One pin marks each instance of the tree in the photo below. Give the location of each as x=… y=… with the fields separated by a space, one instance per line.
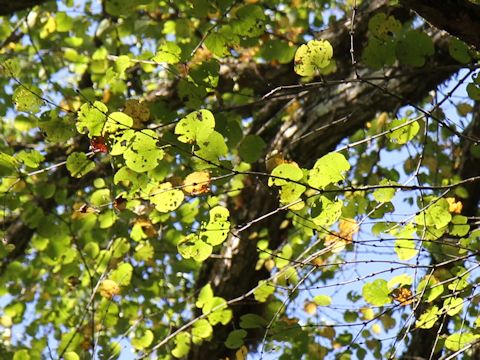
x=211 y=179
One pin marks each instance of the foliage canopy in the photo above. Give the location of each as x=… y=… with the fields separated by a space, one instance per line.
x=263 y=178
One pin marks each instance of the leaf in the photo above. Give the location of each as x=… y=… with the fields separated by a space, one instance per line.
x=217 y=43
x=202 y=329
x=218 y=311
x=377 y=293
x=28 y=99
x=182 y=345
x=192 y=247
x=205 y=296
x=414 y=48
x=197 y=183
x=79 y=165
x=263 y=291
x=430 y=288
x=165 y=198
x=143 y=153
x=399 y=280
x=428 y=319
x=251 y=148
x=386 y=194
x=122 y=275
x=143 y=342
x=322 y=300
x=403 y=134
x=329 y=169
x=196 y=125
x=21 y=355
x=437 y=215
x=212 y=147
x=313 y=56
x=70 y=355
x=458 y=341
x=384 y=27
x=8 y=165
x=92 y=118
x=405 y=249
x=284 y=172
x=216 y=231
x=329 y=213
x=252 y=321
x=452 y=306
x=31 y=158
x=109 y=289
x=117 y=122
x=168 y=52
x=235 y=339
x=459 y=51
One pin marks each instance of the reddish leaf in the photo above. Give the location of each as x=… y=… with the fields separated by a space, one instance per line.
x=97 y=144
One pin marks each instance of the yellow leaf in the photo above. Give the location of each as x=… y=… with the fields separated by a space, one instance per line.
x=109 y=289
x=454 y=207
x=403 y=295
x=197 y=183
x=310 y=308
x=241 y=353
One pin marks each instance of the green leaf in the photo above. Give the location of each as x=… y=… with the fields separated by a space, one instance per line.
x=221 y=314
x=144 y=341
x=459 y=51
x=263 y=291
x=70 y=355
x=21 y=355
x=119 y=121
x=327 y=170
x=196 y=125
x=28 y=99
x=452 y=306
x=144 y=252
x=399 y=281
x=165 y=198
x=414 y=48
x=428 y=319
x=405 y=249
x=212 y=147
x=283 y=172
x=329 y=213
x=122 y=275
x=458 y=341
x=92 y=118
x=205 y=296
x=251 y=148
x=377 y=293
x=322 y=300
x=235 y=339
x=168 y=52
x=31 y=158
x=143 y=154
x=250 y=21
x=217 y=43
x=252 y=321
x=384 y=27
x=384 y=195
x=403 y=134
x=8 y=165
x=430 y=288
x=437 y=215
x=312 y=57
x=202 y=329
x=79 y=165
x=182 y=345
x=216 y=231
x=192 y=247
x=379 y=53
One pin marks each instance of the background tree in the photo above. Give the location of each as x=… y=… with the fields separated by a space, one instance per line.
x=211 y=179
